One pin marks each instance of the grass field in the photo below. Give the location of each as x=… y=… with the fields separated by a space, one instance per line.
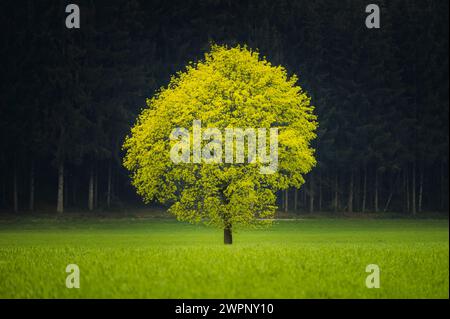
x=163 y=258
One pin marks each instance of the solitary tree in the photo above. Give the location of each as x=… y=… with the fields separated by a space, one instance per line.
x=231 y=88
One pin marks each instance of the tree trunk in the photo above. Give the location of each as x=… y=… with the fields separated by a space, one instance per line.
x=403 y=190
x=296 y=199
x=320 y=192
x=311 y=194
x=60 y=201
x=336 y=193
x=96 y=188
x=392 y=186
x=364 y=194
x=5 y=193
x=66 y=190
x=350 y=194
x=413 y=190
x=227 y=235
x=407 y=190
x=4 y=190
x=74 y=191
x=15 y=195
x=108 y=193
x=286 y=200
x=91 y=190
x=356 y=191
x=32 y=186
x=420 y=190
x=375 y=197
x=388 y=201
x=115 y=184
x=304 y=195
x=441 y=204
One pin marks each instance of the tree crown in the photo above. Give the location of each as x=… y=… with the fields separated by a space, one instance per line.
x=230 y=88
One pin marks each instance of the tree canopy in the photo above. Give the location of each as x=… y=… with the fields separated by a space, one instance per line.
x=231 y=88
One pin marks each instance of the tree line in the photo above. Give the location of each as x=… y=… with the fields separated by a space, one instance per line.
x=70 y=96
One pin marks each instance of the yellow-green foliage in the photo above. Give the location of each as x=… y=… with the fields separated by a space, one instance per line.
x=231 y=87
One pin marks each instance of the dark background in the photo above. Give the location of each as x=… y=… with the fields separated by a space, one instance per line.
x=68 y=97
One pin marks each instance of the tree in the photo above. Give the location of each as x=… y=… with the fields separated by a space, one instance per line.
x=231 y=88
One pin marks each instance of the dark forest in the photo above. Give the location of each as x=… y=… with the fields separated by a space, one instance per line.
x=70 y=96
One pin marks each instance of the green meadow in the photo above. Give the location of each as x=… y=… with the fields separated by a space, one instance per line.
x=130 y=257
